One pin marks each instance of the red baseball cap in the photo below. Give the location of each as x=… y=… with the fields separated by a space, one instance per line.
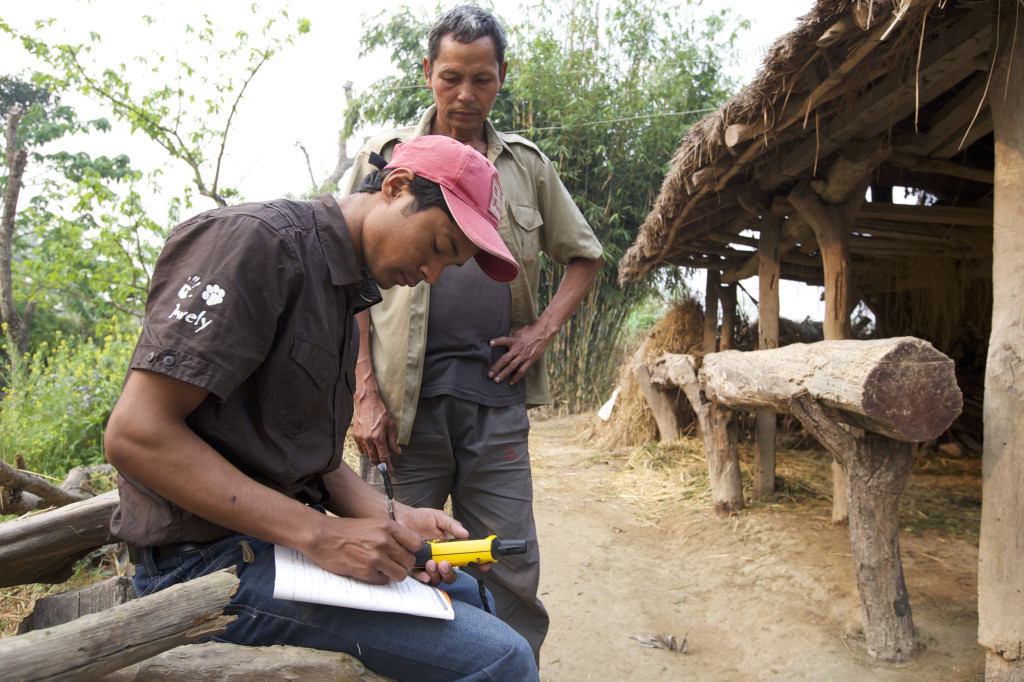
x=471 y=188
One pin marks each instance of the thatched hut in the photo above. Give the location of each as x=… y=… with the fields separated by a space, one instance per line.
x=803 y=175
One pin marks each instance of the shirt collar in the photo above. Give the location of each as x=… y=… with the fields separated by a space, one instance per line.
x=335 y=240
x=495 y=142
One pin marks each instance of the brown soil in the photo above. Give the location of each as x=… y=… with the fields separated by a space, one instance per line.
x=767 y=594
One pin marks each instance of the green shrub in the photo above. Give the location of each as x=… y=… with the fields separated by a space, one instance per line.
x=56 y=402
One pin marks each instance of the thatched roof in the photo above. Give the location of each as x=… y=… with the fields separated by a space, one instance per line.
x=879 y=93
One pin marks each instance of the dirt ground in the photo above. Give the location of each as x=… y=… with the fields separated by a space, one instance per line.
x=767 y=594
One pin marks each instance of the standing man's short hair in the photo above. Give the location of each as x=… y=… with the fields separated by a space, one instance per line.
x=465 y=24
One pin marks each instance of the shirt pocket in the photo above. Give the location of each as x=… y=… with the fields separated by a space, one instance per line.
x=525 y=219
x=298 y=396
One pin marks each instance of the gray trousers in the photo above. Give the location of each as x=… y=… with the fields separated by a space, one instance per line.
x=478 y=455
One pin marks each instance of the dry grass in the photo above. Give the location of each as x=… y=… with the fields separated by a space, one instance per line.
x=942 y=496
x=632 y=423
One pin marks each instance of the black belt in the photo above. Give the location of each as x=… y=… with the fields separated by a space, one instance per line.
x=163 y=551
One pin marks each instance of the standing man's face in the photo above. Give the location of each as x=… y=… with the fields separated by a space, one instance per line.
x=465 y=79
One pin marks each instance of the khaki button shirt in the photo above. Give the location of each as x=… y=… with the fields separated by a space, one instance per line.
x=538 y=215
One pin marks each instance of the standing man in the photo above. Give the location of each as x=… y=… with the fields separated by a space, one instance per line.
x=229 y=431
x=446 y=372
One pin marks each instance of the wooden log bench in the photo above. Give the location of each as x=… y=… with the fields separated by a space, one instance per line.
x=103 y=632
x=867 y=402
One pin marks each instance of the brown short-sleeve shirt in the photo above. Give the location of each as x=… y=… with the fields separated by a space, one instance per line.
x=254 y=303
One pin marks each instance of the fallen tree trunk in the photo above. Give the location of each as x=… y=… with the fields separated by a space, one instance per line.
x=215 y=661
x=901 y=387
x=98 y=644
x=44 y=548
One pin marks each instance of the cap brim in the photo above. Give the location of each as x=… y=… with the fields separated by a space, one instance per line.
x=494 y=257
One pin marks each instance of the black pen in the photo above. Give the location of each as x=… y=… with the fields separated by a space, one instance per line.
x=389 y=493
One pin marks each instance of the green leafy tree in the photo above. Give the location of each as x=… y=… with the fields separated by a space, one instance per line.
x=52 y=249
x=73 y=279
x=189 y=113
x=75 y=255
x=607 y=92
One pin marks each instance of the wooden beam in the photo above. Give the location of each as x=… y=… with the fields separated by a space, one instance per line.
x=902 y=388
x=946 y=62
x=963 y=139
x=934 y=215
x=942 y=167
x=953 y=116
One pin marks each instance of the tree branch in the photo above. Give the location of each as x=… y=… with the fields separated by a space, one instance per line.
x=24 y=492
x=17 y=159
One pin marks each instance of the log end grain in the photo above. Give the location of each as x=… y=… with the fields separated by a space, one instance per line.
x=914 y=389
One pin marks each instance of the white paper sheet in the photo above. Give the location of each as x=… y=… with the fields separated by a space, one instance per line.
x=299 y=579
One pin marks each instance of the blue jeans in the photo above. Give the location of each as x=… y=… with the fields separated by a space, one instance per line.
x=473 y=646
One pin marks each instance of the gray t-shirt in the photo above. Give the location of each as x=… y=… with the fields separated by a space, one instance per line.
x=459 y=330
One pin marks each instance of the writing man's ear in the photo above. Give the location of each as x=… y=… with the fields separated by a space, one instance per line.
x=395 y=182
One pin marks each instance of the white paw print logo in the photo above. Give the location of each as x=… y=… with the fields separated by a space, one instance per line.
x=213 y=294
x=186 y=289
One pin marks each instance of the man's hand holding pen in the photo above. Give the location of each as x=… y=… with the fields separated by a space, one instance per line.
x=429 y=523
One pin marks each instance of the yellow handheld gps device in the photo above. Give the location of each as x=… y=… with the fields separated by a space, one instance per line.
x=462 y=552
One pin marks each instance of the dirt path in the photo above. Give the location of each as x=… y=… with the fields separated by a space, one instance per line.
x=765 y=595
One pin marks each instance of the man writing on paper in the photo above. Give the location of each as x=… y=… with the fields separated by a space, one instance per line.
x=229 y=430
x=441 y=395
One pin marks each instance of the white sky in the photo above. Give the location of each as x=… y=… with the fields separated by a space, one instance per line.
x=297 y=96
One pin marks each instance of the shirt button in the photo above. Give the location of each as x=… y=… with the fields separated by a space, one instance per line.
x=149 y=358
x=168 y=361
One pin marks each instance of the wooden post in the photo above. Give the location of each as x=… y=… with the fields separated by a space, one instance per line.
x=831 y=225
x=769 y=270
x=1001 y=549
x=664 y=409
x=877 y=469
x=727 y=295
x=711 y=311
x=717 y=426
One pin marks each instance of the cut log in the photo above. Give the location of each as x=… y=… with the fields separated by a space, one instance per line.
x=43 y=548
x=216 y=661
x=901 y=387
x=57 y=609
x=97 y=644
x=663 y=408
x=876 y=470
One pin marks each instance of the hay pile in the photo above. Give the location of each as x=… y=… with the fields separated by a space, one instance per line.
x=632 y=422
